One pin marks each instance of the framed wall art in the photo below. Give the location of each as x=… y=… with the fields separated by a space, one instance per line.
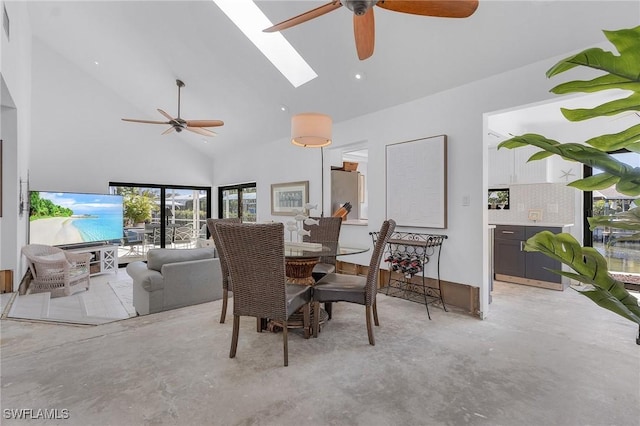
x=416 y=188
x=287 y=197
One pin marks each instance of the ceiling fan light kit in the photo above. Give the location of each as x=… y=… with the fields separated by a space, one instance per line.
x=179 y=124
x=363 y=20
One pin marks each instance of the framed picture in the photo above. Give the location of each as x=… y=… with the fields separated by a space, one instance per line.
x=287 y=197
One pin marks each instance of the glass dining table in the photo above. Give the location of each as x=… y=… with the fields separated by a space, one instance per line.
x=300 y=258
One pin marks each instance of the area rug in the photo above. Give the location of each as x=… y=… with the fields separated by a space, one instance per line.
x=99 y=305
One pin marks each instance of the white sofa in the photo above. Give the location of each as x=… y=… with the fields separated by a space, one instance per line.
x=173 y=278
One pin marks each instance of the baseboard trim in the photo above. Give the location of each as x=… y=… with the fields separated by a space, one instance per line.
x=528 y=281
x=462 y=297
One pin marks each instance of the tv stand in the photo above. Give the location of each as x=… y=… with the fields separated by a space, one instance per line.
x=104 y=258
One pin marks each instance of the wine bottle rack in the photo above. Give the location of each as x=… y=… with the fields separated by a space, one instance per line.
x=406 y=256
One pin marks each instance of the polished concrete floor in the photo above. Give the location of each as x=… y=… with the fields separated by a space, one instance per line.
x=540 y=358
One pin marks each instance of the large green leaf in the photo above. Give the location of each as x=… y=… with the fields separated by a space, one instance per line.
x=590 y=268
x=626 y=65
x=625 y=177
x=629 y=139
x=595 y=182
x=629 y=220
x=630 y=103
x=604 y=82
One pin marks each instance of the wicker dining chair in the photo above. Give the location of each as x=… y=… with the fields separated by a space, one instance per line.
x=354 y=288
x=226 y=285
x=255 y=257
x=57 y=271
x=327 y=230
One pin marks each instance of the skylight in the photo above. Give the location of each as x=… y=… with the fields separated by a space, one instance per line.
x=251 y=21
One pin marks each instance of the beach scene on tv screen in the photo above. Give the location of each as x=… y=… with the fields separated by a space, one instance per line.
x=58 y=218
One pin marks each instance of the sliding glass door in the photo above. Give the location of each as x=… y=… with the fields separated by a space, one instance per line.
x=238 y=201
x=161 y=216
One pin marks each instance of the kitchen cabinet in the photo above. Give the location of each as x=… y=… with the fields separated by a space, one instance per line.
x=513 y=264
x=510 y=166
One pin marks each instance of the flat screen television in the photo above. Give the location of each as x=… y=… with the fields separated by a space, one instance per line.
x=69 y=219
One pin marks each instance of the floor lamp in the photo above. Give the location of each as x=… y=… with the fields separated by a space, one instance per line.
x=312 y=130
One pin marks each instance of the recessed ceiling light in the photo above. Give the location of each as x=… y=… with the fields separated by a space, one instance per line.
x=205 y=141
x=358 y=76
x=96 y=62
x=251 y=21
x=284 y=108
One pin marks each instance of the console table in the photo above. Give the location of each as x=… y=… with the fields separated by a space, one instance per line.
x=104 y=258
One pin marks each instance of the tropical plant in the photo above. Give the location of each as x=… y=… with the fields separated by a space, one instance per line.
x=620 y=71
x=138 y=205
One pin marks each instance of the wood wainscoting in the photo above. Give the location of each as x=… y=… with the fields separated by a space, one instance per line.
x=459 y=296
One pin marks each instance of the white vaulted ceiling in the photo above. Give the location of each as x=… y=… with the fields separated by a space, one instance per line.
x=142 y=47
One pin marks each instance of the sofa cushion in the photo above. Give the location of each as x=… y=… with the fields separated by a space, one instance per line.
x=158 y=257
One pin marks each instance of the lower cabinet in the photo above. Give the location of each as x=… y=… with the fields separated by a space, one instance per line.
x=103 y=258
x=513 y=264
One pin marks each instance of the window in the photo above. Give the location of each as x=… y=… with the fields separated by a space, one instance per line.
x=238 y=201
x=623 y=256
x=172 y=216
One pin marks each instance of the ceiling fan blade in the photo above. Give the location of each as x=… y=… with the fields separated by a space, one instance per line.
x=169 y=130
x=439 y=8
x=364 y=32
x=144 y=121
x=168 y=117
x=204 y=123
x=307 y=16
x=201 y=131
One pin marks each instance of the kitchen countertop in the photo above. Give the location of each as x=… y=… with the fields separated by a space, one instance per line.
x=531 y=223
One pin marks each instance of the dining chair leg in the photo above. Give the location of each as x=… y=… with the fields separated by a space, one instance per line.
x=259 y=325
x=375 y=313
x=285 y=338
x=234 y=336
x=372 y=341
x=328 y=306
x=316 y=318
x=306 y=320
x=225 y=297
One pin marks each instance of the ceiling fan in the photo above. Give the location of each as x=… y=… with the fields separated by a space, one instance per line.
x=363 y=22
x=178 y=124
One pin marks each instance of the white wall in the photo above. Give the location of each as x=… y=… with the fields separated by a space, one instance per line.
x=15 y=129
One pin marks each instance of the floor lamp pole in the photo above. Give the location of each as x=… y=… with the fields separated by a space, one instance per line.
x=322 y=181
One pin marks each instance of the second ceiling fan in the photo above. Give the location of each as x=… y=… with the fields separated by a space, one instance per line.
x=178 y=124
x=363 y=21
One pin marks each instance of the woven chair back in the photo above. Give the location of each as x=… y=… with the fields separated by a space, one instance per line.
x=388 y=226
x=216 y=240
x=255 y=257
x=33 y=253
x=327 y=230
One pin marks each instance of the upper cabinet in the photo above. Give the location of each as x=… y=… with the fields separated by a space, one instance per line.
x=510 y=166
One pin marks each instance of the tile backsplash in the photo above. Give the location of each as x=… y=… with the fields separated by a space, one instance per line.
x=556 y=201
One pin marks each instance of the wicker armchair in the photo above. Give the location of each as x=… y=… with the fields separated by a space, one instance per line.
x=55 y=270
x=355 y=288
x=327 y=230
x=226 y=285
x=255 y=257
